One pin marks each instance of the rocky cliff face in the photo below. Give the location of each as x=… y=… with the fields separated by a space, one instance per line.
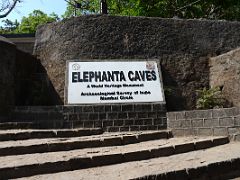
x=225 y=73
x=7 y=69
x=23 y=80
x=182 y=47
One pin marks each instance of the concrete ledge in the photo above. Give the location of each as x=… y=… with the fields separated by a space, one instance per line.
x=6 y=41
x=182 y=148
x=203 y=144
x=164 y=151
x=220 y=141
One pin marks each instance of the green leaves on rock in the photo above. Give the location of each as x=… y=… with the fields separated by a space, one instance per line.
x=210 y=98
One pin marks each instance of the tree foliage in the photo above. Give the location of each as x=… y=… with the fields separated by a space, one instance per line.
x=210 y=98
x=86 y=7
x=9 y=26
x=210 y=9
x=28 y=24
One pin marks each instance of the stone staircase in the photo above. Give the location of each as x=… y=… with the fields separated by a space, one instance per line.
x=92 y=154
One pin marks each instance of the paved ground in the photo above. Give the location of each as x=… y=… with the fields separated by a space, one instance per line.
x=152 y=166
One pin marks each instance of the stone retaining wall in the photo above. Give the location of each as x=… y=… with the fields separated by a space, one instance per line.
x=23 y=42
x=125 y=117
x=214 y=122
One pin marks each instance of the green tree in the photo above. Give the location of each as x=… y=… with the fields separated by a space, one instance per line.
x=115 y=7
x=29 y=24
x=80 y=7
x=9 y=26
x=210 y=9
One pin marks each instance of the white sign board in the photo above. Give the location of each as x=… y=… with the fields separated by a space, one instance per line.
x=113 y=82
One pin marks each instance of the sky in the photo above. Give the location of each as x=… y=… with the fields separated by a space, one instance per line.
x=27 y=6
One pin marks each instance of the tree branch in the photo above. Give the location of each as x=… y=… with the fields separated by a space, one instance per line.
x=188 y=5
x=10 y=9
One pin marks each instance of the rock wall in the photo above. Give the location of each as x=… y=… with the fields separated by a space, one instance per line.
x=7 y=68
x=182 y=47
x=23 y=80
x=32 y=85
x=224 y=73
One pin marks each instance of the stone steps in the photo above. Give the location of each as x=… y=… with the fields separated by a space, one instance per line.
x=52 y=162
x=65 y=144
x=235 y=137
x=17 y=125
x=8 y=135
x=220 y=162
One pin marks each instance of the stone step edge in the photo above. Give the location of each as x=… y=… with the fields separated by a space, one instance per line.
x=66 y=146
x=109 y=159
x=217 y=170
x=16 y=125
x=50 y=134
x=235 y=137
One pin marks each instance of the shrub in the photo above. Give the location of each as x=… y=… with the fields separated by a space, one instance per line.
x=210 y=98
